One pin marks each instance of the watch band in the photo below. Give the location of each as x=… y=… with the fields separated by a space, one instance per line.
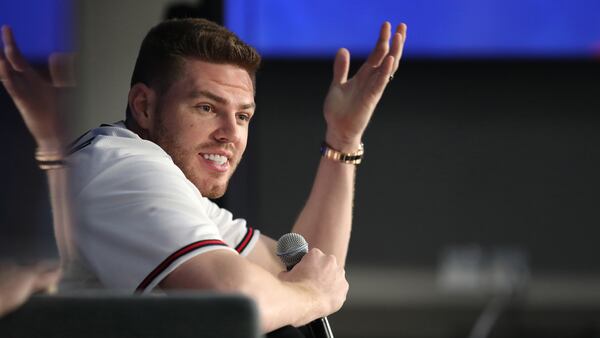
x=349 y=158
x=48 y=160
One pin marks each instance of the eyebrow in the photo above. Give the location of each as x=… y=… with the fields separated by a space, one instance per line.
x=219 y=99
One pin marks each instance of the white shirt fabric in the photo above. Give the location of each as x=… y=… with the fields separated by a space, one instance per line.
x=136 y=216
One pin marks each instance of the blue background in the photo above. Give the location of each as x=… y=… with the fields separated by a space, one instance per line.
x=437 y=28
x=313 y=28
x=40 y=26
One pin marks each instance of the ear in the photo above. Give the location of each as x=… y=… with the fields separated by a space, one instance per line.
x=142 y=104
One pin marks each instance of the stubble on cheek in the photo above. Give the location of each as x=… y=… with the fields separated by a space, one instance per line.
x=187 y=158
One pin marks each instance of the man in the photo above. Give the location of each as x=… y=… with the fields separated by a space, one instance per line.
x=140 y=188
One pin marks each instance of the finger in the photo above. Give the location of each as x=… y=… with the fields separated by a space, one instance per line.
x=398 y=45
x=13 y=54
x=341 y=66
x=332 y=259
x=47 y=281
x=316 y=251
x=3 y=67
x=383 y=73
x=402 y=29
x=62 y=69
x=5 y=73
x=381 y=47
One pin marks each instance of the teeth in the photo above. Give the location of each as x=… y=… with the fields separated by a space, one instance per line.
x=219 y=159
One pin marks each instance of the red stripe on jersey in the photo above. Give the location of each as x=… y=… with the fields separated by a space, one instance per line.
x=177 y=254
x=244 y=243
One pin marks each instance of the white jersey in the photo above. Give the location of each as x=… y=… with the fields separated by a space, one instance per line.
x=136 y=216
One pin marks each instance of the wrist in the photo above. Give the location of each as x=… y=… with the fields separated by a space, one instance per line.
x=316 y=301
x=50 y=154
x=354 y=157
x=51 y=145
x=345 y=144
x=309 y=300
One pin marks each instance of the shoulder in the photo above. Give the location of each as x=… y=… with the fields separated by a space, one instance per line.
x=112 y=156
x=113 y=139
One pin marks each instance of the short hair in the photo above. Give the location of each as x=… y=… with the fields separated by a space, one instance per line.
x=168 y=44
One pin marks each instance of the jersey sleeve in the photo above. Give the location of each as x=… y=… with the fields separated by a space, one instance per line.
x=138 y=218
x=236 y=233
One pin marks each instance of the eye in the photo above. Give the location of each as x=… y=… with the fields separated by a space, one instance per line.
x=244 y=117
x=205 y=108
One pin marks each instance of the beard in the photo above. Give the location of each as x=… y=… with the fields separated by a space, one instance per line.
x=186 y=158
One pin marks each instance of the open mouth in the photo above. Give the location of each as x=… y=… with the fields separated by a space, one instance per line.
x=217 y=159
x=216 y=162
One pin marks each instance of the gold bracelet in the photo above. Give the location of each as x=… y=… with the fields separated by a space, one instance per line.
x=336 y=155
x=48 y=160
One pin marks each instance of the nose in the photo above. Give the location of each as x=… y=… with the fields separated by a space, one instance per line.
x=228 y=130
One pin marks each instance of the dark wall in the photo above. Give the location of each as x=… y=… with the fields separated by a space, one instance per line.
x=495 y=153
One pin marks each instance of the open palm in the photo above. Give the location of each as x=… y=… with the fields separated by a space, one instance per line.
x=350 y=103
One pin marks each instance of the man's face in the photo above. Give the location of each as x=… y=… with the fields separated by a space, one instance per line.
x=202 y=122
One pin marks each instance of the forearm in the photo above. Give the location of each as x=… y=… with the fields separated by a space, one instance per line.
x=326 y=219
x=50 y=152
x=279 y=302
x=57 y=186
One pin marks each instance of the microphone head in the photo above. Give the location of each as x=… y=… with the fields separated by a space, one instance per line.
x=291 y=248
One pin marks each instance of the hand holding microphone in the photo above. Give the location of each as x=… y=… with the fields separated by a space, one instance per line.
x=319 y=272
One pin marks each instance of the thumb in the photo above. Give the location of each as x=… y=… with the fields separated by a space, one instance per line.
x=283 y=275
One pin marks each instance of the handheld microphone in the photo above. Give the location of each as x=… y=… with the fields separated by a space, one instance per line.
x=291 y=248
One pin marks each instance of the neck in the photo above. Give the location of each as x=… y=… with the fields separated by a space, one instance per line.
x=134 y=127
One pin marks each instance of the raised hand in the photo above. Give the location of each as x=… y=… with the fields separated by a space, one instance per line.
x=35 y=97
x=350 y=102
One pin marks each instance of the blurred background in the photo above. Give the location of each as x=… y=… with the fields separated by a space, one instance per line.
x=476 y=206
